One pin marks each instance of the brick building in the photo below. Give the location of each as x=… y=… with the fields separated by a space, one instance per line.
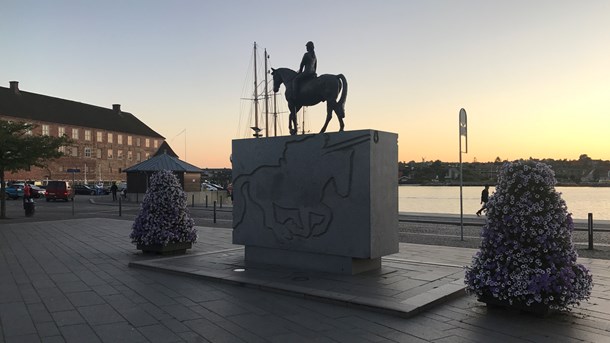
x=106 y=140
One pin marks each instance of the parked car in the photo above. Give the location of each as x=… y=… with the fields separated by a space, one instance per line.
x=208 y=187
x=36 y=191
x=101 y=190
x=14 y=191
x=59 y=190
x=84 y=190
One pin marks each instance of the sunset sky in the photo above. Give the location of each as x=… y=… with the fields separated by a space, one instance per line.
x=533 y=76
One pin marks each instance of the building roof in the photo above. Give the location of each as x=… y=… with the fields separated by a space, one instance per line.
x=163 y=162
x=165 y=149
x=38 y=107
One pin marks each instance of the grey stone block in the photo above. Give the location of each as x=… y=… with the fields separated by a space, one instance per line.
x=334 y=195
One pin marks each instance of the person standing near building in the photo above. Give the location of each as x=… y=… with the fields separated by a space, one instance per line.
x=113 y=190
x=27 y=192
x=484 y=199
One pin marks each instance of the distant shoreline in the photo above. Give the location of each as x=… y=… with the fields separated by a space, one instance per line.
x=482 y=184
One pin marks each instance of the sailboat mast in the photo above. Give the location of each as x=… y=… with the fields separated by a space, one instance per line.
x=266 y=97
x=255 y=128
x=274 y=114
x=303 y=120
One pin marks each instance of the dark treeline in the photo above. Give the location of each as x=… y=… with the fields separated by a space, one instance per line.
x=581 y=172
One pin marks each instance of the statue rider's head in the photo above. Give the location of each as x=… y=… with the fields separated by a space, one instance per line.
x=309 y=46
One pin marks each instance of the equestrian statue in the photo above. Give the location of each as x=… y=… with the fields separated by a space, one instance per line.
x=305 y=88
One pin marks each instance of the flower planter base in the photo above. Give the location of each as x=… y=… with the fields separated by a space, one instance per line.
x=538 y=309
x=170 y=249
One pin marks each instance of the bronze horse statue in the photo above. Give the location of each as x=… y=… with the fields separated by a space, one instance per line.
x=311 y=92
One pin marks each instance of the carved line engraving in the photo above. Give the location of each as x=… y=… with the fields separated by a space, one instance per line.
x=290 y=196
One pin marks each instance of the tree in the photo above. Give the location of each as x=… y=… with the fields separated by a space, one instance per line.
x=20 y=149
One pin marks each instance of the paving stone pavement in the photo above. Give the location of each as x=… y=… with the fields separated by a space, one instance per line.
x=69 y=281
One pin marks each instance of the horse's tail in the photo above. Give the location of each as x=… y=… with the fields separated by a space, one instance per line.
x=341 y=102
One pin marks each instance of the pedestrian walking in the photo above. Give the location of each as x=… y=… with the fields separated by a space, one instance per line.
x=484 y=199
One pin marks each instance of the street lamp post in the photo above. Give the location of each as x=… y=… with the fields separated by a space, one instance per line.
x=463 y=132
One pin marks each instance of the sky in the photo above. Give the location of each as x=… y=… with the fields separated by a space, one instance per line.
x=533 y=76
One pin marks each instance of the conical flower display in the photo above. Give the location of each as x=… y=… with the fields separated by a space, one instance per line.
x=164 y=217
x=527 y=255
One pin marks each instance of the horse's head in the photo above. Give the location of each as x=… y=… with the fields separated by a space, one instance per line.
x=277 y=80
x=281 y=75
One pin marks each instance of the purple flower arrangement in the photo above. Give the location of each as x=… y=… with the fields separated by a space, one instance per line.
x=164 y=217
x=526 y=254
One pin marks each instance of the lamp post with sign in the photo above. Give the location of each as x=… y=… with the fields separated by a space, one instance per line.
x=463 y=133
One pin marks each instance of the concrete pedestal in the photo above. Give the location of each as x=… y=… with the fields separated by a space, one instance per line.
x=326 y=202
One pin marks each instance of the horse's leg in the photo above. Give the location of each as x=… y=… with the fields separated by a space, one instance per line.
x=293 y=118
x=329 y=114
x=290 y=123
x=339 y=110
x=341 y=125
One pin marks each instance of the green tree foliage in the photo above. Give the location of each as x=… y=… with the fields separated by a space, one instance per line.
x=20 y=149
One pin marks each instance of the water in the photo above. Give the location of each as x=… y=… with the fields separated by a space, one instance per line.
x=444 y=199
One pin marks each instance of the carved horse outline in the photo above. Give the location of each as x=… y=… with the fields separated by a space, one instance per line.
x=291 y=196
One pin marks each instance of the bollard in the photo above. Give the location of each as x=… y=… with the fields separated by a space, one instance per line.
x=193 y=200
x=206 y=201
x=590 y=231
x=220 y=201
x=214 y=211
x=120 y=207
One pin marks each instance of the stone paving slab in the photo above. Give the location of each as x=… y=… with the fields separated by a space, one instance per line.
x=402 y=287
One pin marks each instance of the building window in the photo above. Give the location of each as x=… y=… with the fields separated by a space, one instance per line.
x=128 y=140
x=74 y=151
x=29 y=132
x=138 y=157
x=61 y=131
x=99 y=153
x=156 y=143
x=119 y=154
x=109 y=154
x=147 y=155
x=62 y=149
x=88 y=152
x=88 y=135
x=129 y=155
x=99 y=137
x=74 y=133
x=45 y=130
x=109 y=137
x=137 y=141
x=148 y=142
x=119 y=139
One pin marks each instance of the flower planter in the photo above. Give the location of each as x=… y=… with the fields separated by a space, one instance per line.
x=169 y=249
x=538 y=309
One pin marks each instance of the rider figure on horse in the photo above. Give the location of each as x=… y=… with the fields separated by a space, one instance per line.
x=309 y=63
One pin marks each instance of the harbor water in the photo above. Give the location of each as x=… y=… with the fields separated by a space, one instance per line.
x=446 y=199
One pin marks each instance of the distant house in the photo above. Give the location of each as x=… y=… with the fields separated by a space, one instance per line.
x=106 y=140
